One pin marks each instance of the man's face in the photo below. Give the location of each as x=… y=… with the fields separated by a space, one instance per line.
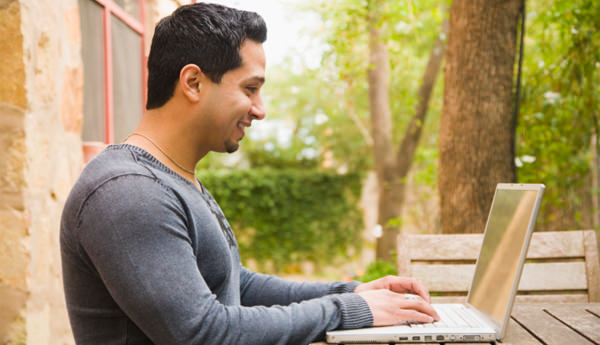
x=231 y=105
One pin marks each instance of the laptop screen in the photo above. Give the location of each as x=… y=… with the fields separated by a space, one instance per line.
x=511 y=215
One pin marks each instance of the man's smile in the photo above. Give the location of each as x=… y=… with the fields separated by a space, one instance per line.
x=241 y=126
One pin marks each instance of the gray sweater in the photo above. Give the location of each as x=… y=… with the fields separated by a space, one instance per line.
x=149 y=259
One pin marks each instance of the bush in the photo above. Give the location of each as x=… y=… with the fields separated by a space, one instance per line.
x=285 y=217
x=378 y=269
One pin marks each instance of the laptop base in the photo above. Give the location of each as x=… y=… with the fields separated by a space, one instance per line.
x=361 y=336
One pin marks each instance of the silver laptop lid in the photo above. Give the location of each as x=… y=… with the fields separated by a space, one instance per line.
x=505 y=243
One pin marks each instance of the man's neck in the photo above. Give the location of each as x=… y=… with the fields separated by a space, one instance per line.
x=159 y=134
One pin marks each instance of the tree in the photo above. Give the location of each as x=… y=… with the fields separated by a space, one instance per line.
x=392 y=165
x=477 y=132
x=377 y=40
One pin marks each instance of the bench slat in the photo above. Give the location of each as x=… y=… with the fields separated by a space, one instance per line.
x=556 y=244
x=542 y=298
x=555 y=276
x=544 y=245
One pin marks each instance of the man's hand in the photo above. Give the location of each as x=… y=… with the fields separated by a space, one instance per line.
x=389 y=304
x=397 y=284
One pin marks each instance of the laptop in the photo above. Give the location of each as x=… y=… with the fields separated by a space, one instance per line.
x=484 y=317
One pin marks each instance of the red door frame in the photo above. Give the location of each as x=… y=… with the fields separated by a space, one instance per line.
x=110 y=8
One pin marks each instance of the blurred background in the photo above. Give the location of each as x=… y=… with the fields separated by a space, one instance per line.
x=383 y=117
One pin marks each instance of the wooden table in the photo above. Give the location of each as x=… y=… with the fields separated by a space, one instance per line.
x=551 y=324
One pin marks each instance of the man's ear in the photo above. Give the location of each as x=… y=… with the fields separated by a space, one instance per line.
x=190 y=81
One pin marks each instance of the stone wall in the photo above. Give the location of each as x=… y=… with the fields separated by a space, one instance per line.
x=40 y=157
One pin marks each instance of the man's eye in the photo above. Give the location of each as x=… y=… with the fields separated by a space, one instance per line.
x=252 y=89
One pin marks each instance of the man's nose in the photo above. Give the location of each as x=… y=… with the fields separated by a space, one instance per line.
x=258 y=109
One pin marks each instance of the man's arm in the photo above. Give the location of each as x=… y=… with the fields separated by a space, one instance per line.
x=267 y=290
x=385 y=296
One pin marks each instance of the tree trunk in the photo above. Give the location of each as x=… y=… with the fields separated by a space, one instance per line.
x=477 y=127
x=381 y=127
x=391 y=167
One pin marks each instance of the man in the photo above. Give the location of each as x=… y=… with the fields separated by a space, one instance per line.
x=148 y=256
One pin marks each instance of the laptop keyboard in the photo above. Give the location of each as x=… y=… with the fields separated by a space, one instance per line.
x=453 y=316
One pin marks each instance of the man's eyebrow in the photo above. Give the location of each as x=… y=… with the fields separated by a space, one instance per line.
x=258 y=79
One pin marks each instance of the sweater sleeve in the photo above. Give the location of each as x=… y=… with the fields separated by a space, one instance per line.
x=267 y=290
x=137 y=241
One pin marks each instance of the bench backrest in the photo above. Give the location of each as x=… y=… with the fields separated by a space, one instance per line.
x=561 y=266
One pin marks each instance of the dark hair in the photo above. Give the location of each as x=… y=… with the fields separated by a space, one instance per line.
x=208 y=35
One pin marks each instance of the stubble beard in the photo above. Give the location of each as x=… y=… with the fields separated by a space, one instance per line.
x=231 y=146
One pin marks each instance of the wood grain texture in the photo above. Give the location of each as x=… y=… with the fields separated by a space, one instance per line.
x=516 y=335
x=565 y=267
x=544 y=245
x=595 y=309
x=543 y=298
x=570 y=298
x=592 y=262
x=536 y=277
x=584 y=322
x=443 y=247
x=553 y=276
x=403 y=255
x=547 y=328
x=556 y=244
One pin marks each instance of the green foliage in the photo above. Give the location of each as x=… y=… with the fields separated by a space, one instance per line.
x=409 y=29
x=378 y=269
x=322 y=133
x=560 y=102
x=284 y=217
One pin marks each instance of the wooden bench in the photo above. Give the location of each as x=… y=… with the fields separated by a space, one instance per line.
x=560 y=267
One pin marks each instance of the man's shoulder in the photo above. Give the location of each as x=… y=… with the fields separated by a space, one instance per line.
x=113 y=162
x=121 y=167
x=109 y=178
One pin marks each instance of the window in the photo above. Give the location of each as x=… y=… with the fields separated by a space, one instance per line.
x=113 y=67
